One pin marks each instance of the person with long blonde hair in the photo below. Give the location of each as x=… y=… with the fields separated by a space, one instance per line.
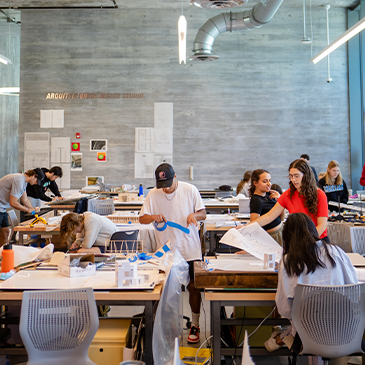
x=334 y=185
x=244 y=185
x=83 y=231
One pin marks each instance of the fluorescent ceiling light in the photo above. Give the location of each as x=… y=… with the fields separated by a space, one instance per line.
x=357 y=28
x=4 y=60
x=182 y=25
x=10 y=91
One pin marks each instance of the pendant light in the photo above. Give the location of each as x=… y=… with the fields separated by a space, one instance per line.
x=327 y=7
x=305 y=38
x=182 y=25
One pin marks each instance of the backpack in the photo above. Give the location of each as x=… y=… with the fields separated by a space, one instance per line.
x=81 y=206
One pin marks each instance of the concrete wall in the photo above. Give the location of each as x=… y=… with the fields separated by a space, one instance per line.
x=261 y=105
x=9 y=105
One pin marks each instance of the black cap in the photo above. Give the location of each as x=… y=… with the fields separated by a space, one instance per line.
x=164 y=176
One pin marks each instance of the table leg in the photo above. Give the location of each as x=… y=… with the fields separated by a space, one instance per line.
x=21 y=240
x=148 y=332
x=216 y=331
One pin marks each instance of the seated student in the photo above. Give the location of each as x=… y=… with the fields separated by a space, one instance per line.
x=83 y=231
x=263 y=199
x=277 y=188
x=46 y=180
x=334 y=185
x=306 y=260
x=244 y=184
x=321 y=174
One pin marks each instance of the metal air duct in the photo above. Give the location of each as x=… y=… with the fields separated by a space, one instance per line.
x=217 y=4
x=261 y=14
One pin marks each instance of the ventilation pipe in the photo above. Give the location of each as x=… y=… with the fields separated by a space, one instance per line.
x=260 y=15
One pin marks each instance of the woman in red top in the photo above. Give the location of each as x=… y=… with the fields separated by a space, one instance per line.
x=303 y=196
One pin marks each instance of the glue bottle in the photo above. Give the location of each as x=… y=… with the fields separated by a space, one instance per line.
x=140 y=190
x=7 y=262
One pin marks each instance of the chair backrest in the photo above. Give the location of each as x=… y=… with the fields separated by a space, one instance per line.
x=126 y=242
x=339 y=234
x=330 y=320
x=14 y=221
x=58 y=324
x=223 y=194
x=102 y=206
x=358 y=239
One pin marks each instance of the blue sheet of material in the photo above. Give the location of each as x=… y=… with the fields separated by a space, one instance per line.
x=172 y=225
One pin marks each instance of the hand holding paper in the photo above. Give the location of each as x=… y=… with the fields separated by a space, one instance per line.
x=254 y=240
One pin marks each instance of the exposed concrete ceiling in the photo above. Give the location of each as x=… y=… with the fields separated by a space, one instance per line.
x=131 y=4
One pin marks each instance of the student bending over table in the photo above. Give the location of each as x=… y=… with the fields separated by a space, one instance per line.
x=83 y=231
x=263 y=199
x=303 y=196
x=306 y=260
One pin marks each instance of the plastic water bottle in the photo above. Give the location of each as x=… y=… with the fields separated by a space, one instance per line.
x=7 y=262
x=140 y=190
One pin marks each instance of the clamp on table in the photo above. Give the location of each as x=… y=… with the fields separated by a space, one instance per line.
x=38 y=219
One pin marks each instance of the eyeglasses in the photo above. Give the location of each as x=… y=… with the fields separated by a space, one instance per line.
x=295 y=176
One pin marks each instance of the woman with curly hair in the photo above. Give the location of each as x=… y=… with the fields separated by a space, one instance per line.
x=83 y=231
x=303 y=196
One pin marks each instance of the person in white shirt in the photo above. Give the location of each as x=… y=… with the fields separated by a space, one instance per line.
x=86 y=232
x=12 y=188
x=181 y=203
x=306 y=260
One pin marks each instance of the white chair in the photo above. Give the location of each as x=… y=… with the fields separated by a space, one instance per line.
x=101 y=206
x=330 y=320
x=358 y=239
x=57 y=326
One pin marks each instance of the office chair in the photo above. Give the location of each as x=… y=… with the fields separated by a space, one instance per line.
x=57 y=326
x=330 y=320
x=357 y=235
x=125 y=242
x=223 y=194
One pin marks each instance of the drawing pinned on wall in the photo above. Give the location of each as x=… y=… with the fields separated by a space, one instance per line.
x=36 y=150
x=98 y=145
x=143 y=166
x=76 y=161
x=101 y=156
x=93 y=180
x=75 y=146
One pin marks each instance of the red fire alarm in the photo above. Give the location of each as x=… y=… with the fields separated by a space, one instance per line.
x=78 y=135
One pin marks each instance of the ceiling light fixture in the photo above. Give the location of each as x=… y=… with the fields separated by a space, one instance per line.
x=355 y=29
x=4 y=60
x=181 y=26
x=10 y=91
x=305 y=38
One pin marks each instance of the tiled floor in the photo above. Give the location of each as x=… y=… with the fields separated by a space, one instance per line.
x=205 y=333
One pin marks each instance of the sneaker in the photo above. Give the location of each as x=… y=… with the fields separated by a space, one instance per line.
x=194 y=334
x=271 y=344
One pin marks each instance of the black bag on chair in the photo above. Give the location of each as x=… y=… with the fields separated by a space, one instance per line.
x=81 y=206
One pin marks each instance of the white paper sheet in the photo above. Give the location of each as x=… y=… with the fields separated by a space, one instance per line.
x=58 y=118
x=46 y=119
x=163 y=138
x=254 y=240
x=143 y=165
x=143 y=140
x=159 y=159
x=237 y=265
x=163 y=115
x=60 y=150
x=36 y=141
